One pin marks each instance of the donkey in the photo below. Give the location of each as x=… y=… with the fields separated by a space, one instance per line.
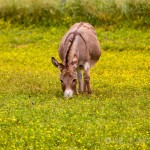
x=79 y=50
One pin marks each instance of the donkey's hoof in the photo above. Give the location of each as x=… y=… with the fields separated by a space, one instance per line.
x=90 y=92
x=80 y=91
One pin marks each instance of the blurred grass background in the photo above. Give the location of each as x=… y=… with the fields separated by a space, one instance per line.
x=65 y=12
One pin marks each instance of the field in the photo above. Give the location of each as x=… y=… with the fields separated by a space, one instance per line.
x=33 y=112
x=99 y=12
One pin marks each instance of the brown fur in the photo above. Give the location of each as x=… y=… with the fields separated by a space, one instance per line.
x=79 y=49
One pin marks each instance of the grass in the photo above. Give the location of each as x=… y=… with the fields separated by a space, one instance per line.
x=33 y=112
x=101 y=12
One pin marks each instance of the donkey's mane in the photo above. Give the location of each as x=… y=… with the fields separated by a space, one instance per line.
x=75 y=33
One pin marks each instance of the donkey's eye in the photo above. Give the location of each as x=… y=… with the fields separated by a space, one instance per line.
x=61 y=81
x=74 y=80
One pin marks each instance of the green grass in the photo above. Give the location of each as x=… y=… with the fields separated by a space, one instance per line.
x=101 y=12
x=33 y=112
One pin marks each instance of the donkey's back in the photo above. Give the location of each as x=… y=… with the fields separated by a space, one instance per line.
x=84 y=43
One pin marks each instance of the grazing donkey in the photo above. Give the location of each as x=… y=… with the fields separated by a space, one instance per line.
x=79 y=49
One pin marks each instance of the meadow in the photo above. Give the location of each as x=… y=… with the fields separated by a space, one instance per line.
x=33 y=112
x=65 y=12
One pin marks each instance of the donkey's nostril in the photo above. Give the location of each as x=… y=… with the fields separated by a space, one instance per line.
x=68 y=93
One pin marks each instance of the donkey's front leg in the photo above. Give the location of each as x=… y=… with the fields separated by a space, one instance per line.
x=87 y=86
x=80 y=90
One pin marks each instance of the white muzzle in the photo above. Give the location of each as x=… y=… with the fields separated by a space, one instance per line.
x=68 y=93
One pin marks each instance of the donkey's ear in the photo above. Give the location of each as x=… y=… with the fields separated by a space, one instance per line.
x=74 y=61
x=57 y=64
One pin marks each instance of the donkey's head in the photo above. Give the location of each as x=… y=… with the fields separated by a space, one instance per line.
x=68 y=76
